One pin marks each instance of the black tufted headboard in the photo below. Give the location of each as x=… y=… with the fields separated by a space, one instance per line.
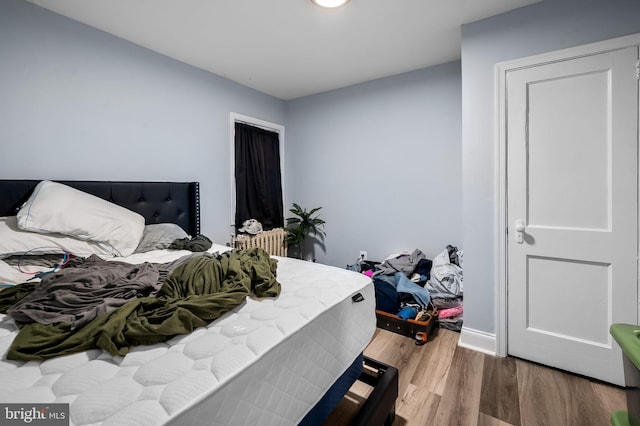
x=158 y=202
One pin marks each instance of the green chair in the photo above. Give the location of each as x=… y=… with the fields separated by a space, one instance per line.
x=628 y=337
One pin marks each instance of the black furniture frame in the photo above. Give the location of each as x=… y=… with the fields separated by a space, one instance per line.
x=380 y=406
x=157 y=202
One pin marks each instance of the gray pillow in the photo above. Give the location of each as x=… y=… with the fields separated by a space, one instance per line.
x=159 y=236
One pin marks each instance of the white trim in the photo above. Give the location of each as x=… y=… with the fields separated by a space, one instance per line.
x=479 y=341
x=501 y=213
x=501 y=160
x=278 y=128
x=638 y=183
x=572 y=52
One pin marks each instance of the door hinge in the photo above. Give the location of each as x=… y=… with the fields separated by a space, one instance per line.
x=638 y=69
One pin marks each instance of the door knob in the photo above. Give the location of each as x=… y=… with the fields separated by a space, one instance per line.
x=519 y=228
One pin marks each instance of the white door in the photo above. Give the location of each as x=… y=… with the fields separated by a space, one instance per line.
x=572 y=195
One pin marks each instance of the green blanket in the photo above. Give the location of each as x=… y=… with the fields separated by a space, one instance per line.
x=196 y=293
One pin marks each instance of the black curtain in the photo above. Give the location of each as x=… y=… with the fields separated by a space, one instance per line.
x=258 y=176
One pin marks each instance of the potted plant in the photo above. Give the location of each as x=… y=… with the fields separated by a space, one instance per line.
x=302 y=225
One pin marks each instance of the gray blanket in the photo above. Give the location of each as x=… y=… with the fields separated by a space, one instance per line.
x=201 y=289
x=91 y=288
x=404 y=263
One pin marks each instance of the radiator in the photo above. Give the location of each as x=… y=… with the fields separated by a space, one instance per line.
x=271 y=241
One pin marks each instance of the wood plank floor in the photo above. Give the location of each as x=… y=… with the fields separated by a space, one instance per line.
x=441 y=383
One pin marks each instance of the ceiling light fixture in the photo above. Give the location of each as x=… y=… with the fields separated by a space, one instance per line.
x=329 y=3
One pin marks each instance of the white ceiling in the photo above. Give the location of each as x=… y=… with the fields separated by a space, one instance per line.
x=291 y=48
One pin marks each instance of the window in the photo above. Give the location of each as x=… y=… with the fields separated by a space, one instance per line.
x=257 y=171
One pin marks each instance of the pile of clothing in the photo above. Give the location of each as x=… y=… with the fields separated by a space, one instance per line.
x=410 y=285
x=445 y=287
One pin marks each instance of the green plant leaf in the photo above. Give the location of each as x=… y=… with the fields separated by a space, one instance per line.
x=314 y=210
x=303 y=224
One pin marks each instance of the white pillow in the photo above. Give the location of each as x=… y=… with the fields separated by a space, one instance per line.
x=14 y=241
x=54 y=207
x=159 y=236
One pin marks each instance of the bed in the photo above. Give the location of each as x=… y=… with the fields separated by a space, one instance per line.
x=271 y=360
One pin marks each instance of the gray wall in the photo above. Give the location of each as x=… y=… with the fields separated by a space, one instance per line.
x=383 y=160
x=77 y=103
x=542 y=27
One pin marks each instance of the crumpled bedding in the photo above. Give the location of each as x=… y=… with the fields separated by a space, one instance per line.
x=198 y=243
x=88 y=288
x=198 y=290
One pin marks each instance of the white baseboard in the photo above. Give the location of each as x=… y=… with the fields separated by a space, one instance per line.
x=477 y=340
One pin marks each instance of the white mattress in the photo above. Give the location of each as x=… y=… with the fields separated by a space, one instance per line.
x=266 y=362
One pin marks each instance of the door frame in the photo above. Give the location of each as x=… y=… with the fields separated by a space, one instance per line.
x=501 y=226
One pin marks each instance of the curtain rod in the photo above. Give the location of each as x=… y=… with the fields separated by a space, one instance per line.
x=270 y=129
